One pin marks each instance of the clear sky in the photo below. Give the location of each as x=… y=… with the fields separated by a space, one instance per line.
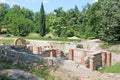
x=49 y=5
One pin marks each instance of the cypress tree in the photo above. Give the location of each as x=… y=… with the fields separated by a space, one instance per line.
x=42 y=30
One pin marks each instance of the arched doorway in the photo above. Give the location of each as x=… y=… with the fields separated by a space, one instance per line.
x=22 y=40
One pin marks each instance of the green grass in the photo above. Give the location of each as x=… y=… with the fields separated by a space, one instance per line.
x=9 y=42
x=115 y=51
x=43 y=74
x=112 y=69
x=7 y=64
x=6 y=41
x=49 y=39
x=105 y=45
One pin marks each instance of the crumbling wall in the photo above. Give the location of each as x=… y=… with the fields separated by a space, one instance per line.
x=28 y=59
x=90 y=59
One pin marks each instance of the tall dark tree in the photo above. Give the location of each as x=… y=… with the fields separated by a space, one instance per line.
x=42 y=21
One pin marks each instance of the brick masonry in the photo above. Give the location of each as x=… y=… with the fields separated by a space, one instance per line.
x=90 y=59
x=46 y=54
x=22 y=40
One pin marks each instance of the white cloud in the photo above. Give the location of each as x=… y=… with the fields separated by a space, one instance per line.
x=95 y=0
x=3 y=1
x=11 y=3
x=45 y=1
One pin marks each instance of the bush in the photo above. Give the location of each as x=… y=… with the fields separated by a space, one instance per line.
x=70 y=33
x=79 y=46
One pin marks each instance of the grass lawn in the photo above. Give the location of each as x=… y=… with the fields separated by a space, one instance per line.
x=50 y=39
x=112 y=69
x=10 y=42
x=6 y=41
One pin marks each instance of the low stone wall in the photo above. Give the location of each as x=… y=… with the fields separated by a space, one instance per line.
x=87 y=58
x=90 y=59
x=61 y=45
x=28 y=59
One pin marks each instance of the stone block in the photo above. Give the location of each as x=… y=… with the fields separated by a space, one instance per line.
x=104 y=58
x=109 y=57
x=71 y=54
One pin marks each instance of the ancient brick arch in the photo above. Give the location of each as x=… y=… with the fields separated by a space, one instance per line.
x=22 y=40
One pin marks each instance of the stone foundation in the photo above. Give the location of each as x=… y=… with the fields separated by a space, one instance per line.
x=52 y=55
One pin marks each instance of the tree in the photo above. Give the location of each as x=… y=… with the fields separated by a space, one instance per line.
x=42 y=21
x=37 y=22
x=3 y=11
x=60 y=22
x=27 y=13
x=16 y=22
x=110 y=23
x=93 y=19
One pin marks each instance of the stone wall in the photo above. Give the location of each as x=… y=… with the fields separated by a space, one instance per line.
x=90 y=59
x=61 y=45
x=28 y=59
x=56 y=58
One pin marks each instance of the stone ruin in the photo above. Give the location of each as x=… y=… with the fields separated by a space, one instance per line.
x=50 y=56
x=90 y=59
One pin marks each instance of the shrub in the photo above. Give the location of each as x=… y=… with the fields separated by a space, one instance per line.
x=70 y=33
x=79 y=46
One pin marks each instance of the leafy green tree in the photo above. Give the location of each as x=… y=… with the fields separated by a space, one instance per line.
x=3 y=10
x=27 y=13
x=93 y=19
x=54 y=24
x=60 y=21
x=16 y=22
x=36 y=22
x=110 y=23
x=42 y=21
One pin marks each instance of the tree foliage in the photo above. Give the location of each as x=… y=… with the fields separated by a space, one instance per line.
x=42 y=21
x=110 y=23
x=17 y=23
x=98 y=20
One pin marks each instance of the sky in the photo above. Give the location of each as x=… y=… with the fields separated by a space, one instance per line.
x=49 y=5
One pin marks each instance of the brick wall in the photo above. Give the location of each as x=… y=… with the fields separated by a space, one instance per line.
x=90 y=59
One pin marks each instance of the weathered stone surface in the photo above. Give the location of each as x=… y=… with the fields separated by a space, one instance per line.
x=19 y=75
x=90 y=59
x=27 y=58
